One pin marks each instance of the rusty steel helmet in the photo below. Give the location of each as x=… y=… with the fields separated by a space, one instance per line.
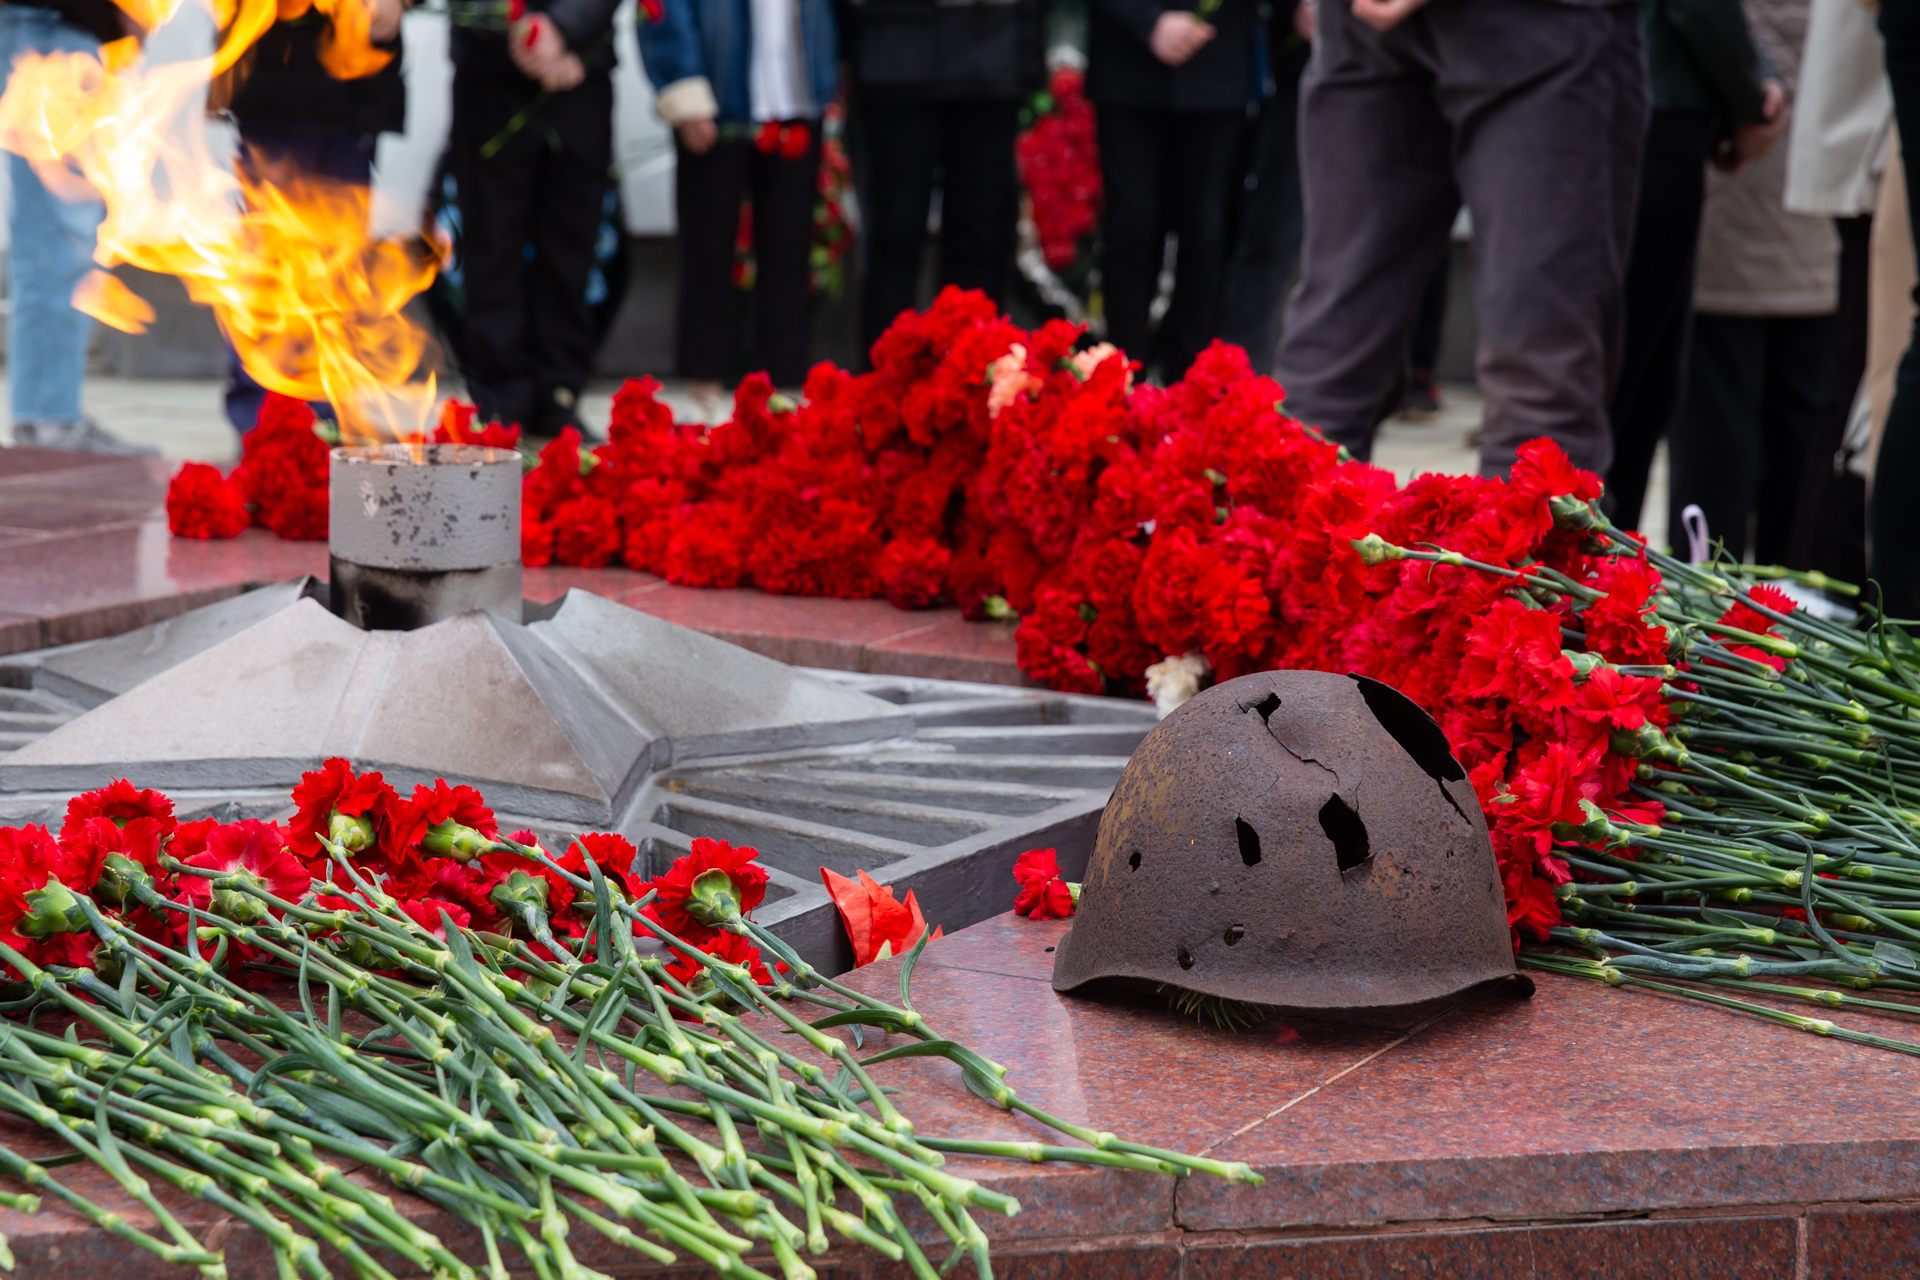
x=1299 y=840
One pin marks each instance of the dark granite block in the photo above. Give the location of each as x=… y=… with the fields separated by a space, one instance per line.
x=1863 y=1243
x=1433 y=1255
x=1685 y=1249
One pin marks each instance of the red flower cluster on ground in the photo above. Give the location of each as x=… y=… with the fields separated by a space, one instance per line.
x=437 y=855
x=280 y=484
x=1059 y=163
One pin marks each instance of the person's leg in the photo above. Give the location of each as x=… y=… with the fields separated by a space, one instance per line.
x=496 y=196
x=1199 y=175
x=1799 y=367
x=1893 y=517
x=706 y=196
x=1379 y=197
x=1659 y=302
x=979 y=197
x=902 y=148
x=1267 y=244
x=50 y=250
x=565 y=224
x=1549 y=110
x=1830 y=512
x=1421 y=398
x=1714 y=445
x=784 y=193
x=1133 y=144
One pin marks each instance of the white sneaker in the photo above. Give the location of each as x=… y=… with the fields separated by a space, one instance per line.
x=84 y=436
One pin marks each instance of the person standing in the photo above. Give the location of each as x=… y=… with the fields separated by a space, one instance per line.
x=1842 y=116
x=1533 y=111
x=1266 y=242
x=50 y=248
x=298 y=120
x=531 y=149
x=1760 y=366
x=1170 y=87
x=1709 y=99
x=1893 y=517
x=939 y=85
x=743 y=83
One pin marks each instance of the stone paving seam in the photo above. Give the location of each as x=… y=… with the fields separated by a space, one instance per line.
x=1338 y=1075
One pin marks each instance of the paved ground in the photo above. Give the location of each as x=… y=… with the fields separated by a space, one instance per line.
x=184 y=419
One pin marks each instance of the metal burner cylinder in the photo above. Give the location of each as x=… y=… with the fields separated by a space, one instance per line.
x=419 y=533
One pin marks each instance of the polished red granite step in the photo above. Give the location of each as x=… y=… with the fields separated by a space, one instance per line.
x=85 y=553
x=1584 y=1133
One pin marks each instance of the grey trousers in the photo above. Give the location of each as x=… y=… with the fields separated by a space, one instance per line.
x=1534 y=113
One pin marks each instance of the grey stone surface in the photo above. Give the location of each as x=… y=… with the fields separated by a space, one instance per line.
x=459 y=511
x=92 y=672
x=707 y=697
x=550 y=727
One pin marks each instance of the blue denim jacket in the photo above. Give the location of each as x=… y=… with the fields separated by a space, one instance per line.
x=713 y=38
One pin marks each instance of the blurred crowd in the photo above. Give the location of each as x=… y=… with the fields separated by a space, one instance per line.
x=1688 y=219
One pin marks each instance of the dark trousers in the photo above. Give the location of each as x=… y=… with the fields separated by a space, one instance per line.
x=707 y=193
x=1666 y=241
x=970 y=146
x=1165 y=171
x=1534 y=113
x=332 y=154
x=1756 y=390
x=1830 y=517
x=1266 y=236
x=529 y=214
x=1893 y=517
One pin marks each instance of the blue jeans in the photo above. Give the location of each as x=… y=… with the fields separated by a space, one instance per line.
x=50 y=249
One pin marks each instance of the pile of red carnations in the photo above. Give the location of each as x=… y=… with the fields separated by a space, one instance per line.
x=549 y=1050
x=437 y=851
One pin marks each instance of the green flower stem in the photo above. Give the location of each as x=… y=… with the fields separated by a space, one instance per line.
x=35 y=1176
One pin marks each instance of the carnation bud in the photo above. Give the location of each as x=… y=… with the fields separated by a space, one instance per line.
x=350 y=833
x=714 y=899
x=52 y=909
x=1373 y=549
x=1570 y=512
x=121 y=878
x=238 y=907
x=518 y=890
x=455 y=840
x=1646 y=743
x=1584 y=664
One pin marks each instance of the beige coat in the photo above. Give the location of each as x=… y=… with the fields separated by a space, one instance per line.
x=1757 y=259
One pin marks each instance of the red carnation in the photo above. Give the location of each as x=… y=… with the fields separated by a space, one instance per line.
x=121 y=801
x=201 y=503
x=728 y=947
x=674 y=891
x=334 y=789
x=250 y=848
x=1044 y=894
x=441 y=819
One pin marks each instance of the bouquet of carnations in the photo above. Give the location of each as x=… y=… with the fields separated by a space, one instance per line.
x=539 y=1045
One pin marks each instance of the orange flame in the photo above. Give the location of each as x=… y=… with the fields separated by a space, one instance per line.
x=310 y=300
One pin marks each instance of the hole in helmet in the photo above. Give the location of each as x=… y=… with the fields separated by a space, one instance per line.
x=1133 y=862
x=1185 y=957
x=1267 y=705
x=1348 y=833
x=1412 y=728
x=1249 y=841
x=1234 y=933
x=1417 y=735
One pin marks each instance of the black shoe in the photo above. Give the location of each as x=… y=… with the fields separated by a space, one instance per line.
x=1422 y=401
